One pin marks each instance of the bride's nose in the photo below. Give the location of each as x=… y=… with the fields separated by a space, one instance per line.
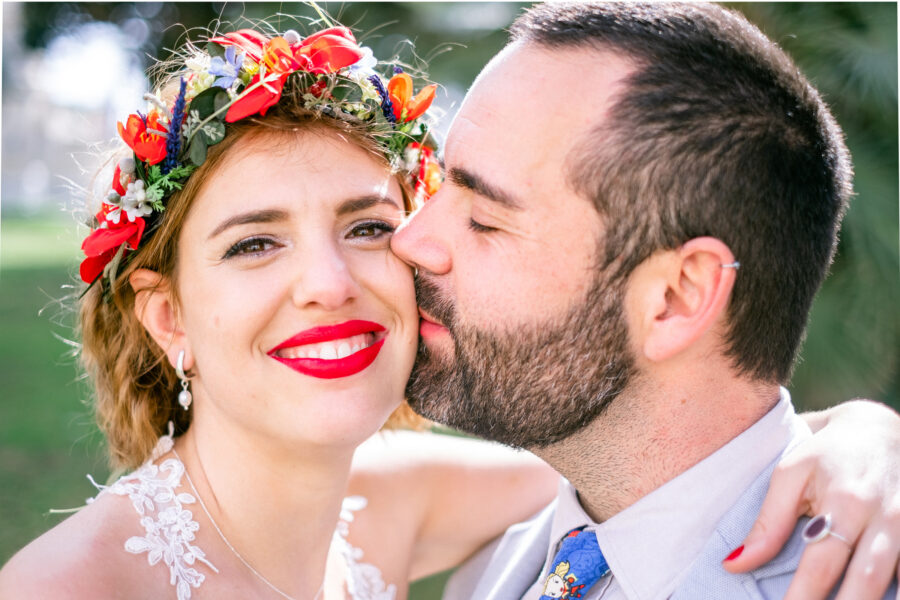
x=324 y=278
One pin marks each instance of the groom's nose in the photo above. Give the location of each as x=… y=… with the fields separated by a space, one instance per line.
x=425 y=241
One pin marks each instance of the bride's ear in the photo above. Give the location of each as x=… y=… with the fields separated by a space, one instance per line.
x=154 y=306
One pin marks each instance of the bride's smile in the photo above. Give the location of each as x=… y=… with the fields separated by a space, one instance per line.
x=329 y=352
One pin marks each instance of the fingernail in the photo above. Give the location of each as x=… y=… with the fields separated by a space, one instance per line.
x=735 y=553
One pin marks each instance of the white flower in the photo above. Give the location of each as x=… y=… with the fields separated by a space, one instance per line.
x=292 y=37
x=134 y=202
x=114 y=216
x=198 y=63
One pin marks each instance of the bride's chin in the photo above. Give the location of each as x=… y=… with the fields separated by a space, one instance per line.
x=340 y=423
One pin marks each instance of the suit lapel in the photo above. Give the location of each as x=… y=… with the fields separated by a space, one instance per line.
x=517 y=561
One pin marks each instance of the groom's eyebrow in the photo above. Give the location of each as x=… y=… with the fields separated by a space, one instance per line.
x=470 y=181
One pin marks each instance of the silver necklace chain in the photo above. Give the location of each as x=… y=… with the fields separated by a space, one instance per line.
x=232 y=548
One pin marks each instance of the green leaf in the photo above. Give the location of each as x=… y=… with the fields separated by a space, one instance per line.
x=140 y=170
x=213 y=132
x=208 y=101
x=180 y=172
x=220 y=101
x=198 y=150
x=214 y=49
x=347 y=93
x=153 y=194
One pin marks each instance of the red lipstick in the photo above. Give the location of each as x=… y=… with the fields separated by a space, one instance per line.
x=325 y=368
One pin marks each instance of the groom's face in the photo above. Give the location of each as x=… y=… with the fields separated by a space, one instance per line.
x=523 y=339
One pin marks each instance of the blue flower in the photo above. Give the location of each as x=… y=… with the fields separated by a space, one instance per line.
x=387 y=107
x=227 y=70
x=173 y=141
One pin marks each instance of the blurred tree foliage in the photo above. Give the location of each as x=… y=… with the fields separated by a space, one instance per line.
x=474 y=31
x=848 y=50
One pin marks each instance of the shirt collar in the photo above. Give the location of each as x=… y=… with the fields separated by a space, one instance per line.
x=650 y=545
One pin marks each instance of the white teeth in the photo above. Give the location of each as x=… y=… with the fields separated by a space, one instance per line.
x=332 y=350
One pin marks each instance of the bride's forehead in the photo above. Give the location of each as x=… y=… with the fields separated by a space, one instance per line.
x=296 y=172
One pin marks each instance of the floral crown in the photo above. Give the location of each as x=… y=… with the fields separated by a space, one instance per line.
x=239 y=75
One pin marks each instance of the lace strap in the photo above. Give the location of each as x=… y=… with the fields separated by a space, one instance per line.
x=364 y=580
x=169 y=527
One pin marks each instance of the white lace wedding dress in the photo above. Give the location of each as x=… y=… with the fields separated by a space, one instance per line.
x=170 y=529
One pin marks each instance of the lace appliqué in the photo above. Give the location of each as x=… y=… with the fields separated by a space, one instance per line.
x=364 y=581
x=170 y=528
x=170 y=531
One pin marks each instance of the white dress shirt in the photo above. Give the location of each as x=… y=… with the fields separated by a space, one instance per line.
x=650 y=545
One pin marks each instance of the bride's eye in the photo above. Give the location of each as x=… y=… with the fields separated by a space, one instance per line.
x=249 y=246
x=371 y=229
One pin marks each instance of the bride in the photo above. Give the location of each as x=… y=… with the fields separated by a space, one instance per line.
x=248 y=330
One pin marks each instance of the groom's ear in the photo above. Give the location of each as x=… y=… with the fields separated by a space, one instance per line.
x=156 y=309
x=678 y=297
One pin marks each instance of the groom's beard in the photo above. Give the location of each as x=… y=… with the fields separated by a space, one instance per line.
x=530 y=385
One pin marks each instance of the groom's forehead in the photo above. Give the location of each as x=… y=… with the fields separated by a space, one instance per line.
x=529 y=109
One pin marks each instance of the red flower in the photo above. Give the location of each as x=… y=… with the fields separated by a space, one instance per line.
x=102 y=244
x=117 y=182
x=323 y=52
x=407 y=107
x=328 y=51
x=251 y=42
x=257 y=100
x=148 y=147
x=263 y=94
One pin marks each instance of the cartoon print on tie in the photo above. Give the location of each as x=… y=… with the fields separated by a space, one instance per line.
x=557 y=584
x=577 y=566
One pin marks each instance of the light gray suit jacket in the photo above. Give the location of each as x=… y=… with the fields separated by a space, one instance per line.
x=508 y=566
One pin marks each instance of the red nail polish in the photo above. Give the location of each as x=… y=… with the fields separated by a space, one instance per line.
x=737 y=552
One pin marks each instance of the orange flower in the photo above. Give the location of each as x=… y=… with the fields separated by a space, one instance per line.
x=406 y=107
x=278 y=57
x=148 y=147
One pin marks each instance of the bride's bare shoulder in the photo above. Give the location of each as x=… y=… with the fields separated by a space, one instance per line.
x=83 y=556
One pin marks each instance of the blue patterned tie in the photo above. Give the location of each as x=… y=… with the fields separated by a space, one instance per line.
x=577 y=566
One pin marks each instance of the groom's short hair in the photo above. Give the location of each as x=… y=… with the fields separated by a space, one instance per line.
x=716 y=133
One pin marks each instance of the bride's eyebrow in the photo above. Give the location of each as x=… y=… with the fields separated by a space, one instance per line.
x=255 y=216
x=353 y=205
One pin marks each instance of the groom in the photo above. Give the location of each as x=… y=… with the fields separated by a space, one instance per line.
x=641 y=202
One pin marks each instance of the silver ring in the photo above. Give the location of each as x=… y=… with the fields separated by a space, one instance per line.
x=735 y=265
x=179 y=366
x=818 y=528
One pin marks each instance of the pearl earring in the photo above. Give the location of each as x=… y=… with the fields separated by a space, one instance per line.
x=184 y=396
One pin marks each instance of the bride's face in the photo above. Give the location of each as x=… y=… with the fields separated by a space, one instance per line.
x=301 y=322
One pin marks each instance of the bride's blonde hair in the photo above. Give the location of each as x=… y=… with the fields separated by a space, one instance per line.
x=135 y=387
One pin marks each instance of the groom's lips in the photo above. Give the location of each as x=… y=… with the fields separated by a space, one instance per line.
x=428 y=327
